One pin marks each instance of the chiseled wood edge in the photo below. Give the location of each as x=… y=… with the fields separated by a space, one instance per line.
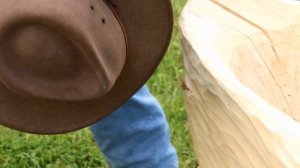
x=231 y=125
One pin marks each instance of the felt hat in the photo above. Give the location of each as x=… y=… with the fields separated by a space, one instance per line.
x=65 y=64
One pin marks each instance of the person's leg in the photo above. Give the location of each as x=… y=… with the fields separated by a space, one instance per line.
x=136 y=135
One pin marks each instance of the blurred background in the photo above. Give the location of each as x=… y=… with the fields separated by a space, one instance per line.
x=78 y=149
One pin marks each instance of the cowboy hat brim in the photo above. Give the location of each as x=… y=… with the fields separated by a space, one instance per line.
x=148 y=25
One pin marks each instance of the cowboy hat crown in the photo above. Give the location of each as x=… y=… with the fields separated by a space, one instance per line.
x=65 y=64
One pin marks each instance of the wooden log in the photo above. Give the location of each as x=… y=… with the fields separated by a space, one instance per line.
x=242 y=82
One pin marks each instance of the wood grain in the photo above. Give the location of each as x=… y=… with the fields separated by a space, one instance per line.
x=242 y=64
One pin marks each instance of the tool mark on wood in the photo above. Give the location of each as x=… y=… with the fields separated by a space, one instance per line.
x=249 y=22
x=269 y=70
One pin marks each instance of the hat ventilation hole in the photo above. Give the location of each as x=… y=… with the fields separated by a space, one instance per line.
x=92 y=8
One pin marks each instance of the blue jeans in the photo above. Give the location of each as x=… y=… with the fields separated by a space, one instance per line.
x=136 y=135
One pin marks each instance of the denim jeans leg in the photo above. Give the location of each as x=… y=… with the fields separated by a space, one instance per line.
x=136 y=135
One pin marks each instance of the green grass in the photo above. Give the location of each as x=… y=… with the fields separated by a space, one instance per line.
x=20 y=150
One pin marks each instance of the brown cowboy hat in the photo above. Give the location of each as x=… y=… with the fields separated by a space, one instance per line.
x=65 y=64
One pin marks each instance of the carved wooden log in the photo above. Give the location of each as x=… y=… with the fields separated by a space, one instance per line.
x=242 y=77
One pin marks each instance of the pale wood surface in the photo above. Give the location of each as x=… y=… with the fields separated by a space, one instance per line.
x=242 y=77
